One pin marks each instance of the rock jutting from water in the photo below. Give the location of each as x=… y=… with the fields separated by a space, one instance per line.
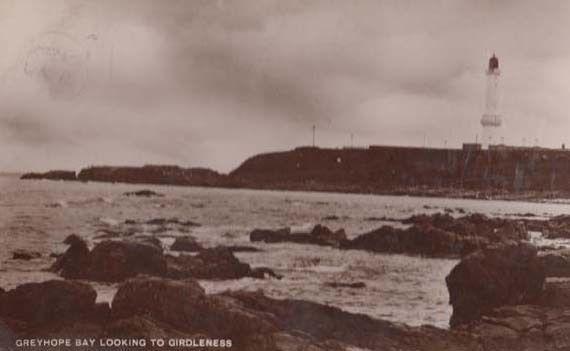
x=115 y=261
x=437 y=235
x=147 y=307
x=496 y=276
x=319 y=235
x=500 y=299
x=143 y=193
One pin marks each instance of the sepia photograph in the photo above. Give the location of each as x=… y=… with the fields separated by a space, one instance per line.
x=284 y=175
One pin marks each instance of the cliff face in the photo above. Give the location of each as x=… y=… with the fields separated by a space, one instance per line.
x=381 y=169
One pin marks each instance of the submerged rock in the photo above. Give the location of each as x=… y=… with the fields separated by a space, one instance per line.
x=186 y=243
x=357 y=285
x=437 y=235
x=242 y=248
x=319 y=235
x=496 y=276
x=143 y=193
x=212 y=263
x=423 y=240
x=115 y=261
x=25 y=255
x=556 y=263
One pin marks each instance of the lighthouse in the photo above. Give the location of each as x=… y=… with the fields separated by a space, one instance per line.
x=491 y=119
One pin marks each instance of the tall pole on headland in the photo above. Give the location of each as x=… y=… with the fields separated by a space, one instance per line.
x=314 y=128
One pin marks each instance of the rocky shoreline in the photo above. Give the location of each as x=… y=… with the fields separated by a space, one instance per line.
x=505 y=293
x=436 y=235
x=500 y=296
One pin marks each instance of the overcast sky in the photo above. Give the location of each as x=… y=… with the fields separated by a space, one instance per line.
x=210 y=83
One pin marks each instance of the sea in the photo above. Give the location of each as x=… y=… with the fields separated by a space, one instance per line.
x=37 y=215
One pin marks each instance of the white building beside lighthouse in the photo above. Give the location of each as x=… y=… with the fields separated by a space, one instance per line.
x=491 y=119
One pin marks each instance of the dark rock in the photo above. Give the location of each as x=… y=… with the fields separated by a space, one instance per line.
x=519 y=327
x=555 y=294
x=242 y=248
x=143 y=193
x=160 y=299
x=138 y=326
x=319 y=235
x=423 y=239
x=493 y=229
x=264 y=272
x=25 y=255
x=270 y=235
x=382 y=219
x=556 y=263
x=48 y=302
x=324 y=236
x=493 y=277
x=151 y=240
x=173 y=220
x=329 y=324
x=108 y=234
x=331 y=218
x=184 y=306
x=186 y=243
x=440 y=235
x=114 y=261
x=208 y=264
x=74 y=263
x=101 y=312
x=437 y=235
x=211 y=263
x=357 y=285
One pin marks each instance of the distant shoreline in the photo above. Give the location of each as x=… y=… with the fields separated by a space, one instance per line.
x=502 y=173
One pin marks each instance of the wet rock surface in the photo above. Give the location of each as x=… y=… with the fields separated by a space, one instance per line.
x=512 y=308
x=212 y=263
x=497 y=276
x=48 y=304
x=156 y=307
x=436 y=235
x=143 y=193
x=186 y=243
x=319 y=235
x=117 y=260
x=556 y=262
x=25 y=255
x=356 y=285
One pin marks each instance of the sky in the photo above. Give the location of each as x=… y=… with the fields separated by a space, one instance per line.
x=209 y=83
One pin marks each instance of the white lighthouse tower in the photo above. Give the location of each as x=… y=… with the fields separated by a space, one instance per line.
x=491 y=119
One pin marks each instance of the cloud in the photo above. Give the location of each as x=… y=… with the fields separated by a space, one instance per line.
x=210 y=82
